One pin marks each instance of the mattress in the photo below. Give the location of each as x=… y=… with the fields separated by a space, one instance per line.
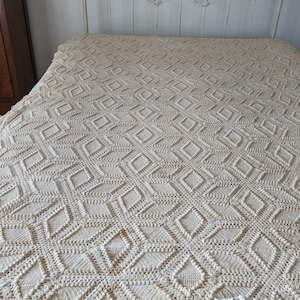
x=154 y=168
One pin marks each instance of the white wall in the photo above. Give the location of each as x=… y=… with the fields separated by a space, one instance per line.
x=289 y=23
x=54 y=21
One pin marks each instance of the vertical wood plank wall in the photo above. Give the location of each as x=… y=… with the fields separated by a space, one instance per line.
x=197 y=18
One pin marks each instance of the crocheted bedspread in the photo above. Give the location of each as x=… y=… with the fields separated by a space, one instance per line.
x=154 y=168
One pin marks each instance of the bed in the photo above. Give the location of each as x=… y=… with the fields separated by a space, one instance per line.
x=148 y=167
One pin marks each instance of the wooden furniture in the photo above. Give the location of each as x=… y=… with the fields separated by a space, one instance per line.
x=17 y=72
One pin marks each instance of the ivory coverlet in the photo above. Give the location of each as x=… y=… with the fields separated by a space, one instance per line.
x=154 y=168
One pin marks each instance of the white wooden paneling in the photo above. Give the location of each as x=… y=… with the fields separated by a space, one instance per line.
x=191 y=18
x=240 y=18
x=289 y=22
x=199 y=18
x=169 y=18
x=264 y=18
x=99 y=13
x=215 y=19
x=122 y=13
x=145 y=17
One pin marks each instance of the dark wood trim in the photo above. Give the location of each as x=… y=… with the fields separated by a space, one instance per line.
x=6 y=89
x=29 y=38
x=18 y=49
